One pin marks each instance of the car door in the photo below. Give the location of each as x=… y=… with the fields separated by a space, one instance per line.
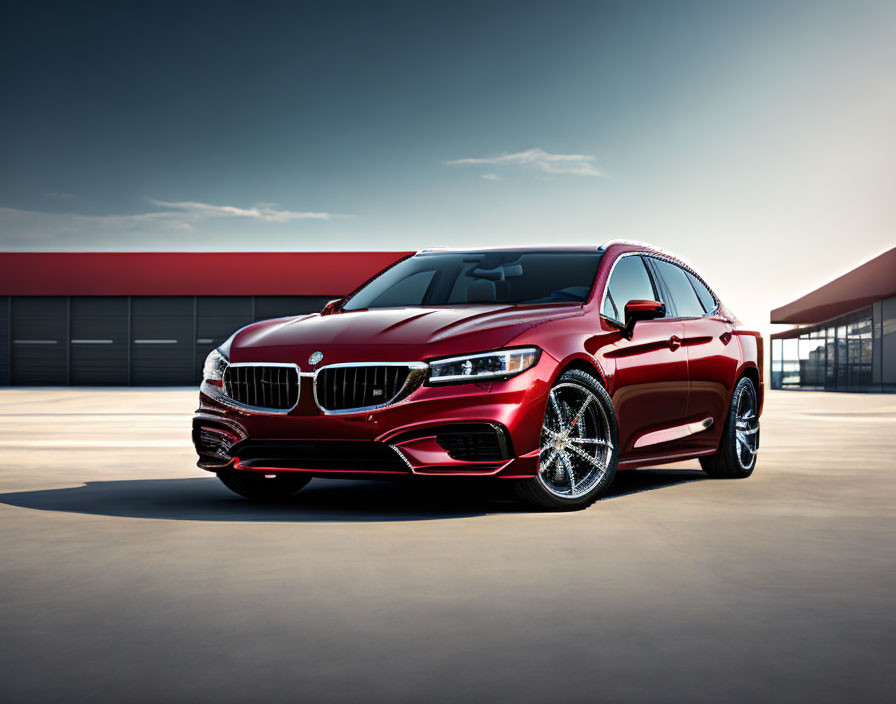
x=706 y=340
x=650 y=383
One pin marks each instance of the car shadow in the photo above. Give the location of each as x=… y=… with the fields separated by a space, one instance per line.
x=206 y=499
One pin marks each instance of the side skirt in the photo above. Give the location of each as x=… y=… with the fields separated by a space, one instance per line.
x=675 y=433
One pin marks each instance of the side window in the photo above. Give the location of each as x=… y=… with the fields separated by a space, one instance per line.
x=628 y=282
x=706 y=298
x=684 y=298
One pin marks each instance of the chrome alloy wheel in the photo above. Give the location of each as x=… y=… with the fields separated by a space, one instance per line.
x=746 y=429
x=576 y=446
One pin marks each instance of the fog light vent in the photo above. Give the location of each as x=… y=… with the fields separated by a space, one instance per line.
x=479 y=442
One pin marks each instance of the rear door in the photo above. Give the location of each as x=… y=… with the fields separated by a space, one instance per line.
x=650 y=384
x=708 y=343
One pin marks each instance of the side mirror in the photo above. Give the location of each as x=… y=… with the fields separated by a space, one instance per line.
x=641 y=310
x=333 y=306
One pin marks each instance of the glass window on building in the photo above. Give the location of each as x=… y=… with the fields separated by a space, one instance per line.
x=830 y=376
x=859 y=347
x=790 y=362
x=837 y=356
x=812 y=360
x=776 y=363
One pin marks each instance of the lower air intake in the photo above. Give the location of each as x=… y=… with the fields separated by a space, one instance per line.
x=474 y=442
x=333 y=455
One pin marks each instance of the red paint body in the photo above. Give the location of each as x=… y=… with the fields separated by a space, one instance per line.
x=671 y=375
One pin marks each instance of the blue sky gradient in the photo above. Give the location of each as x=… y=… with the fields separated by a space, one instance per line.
x=756 y=139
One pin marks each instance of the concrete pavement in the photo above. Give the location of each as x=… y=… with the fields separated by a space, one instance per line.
x=130 y=575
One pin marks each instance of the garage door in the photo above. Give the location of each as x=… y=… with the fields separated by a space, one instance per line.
x=217 y=318
x=99 y=340
x=162 y=341
x=4 y=340
x=39 y=340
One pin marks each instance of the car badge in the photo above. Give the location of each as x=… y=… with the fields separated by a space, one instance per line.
x=315 y=357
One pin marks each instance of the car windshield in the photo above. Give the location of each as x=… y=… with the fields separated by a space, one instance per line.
x=481 y=278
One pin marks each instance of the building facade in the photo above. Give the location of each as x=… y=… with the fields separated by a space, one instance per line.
x=150 y=319
x=846 y=339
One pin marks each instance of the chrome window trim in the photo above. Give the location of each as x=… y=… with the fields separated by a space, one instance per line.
x=412 y=366
x=670 y=259
x=227 y=400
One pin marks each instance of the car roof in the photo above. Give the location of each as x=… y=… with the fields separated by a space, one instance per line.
x=628 y=244
x=542 y=248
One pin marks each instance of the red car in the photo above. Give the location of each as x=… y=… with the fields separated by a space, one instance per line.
x=549 y=367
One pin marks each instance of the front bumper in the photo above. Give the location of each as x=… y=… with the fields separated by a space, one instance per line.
x=485 y=429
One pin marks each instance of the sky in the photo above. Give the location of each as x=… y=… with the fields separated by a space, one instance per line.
x=756 y=140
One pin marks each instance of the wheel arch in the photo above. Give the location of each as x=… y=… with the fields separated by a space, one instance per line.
x=582 y=363
x=751 y=372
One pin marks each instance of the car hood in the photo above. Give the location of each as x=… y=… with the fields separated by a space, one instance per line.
x=392 y=334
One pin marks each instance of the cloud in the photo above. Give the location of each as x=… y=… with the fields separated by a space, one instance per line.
x=490 y=177
x=181 y=216
x=262 y=211
x=575 y=164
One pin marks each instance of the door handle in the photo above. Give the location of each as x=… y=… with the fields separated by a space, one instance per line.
x=674 y=342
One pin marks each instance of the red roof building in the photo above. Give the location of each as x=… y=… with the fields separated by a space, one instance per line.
x=150 y=318
x=846 y=339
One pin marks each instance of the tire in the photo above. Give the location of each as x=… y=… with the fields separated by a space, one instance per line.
x=736 y=456
x=579 y=446
x=257 y=487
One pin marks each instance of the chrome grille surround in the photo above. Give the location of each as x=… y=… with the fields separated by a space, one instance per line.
x=395 y=380
x=253 y=385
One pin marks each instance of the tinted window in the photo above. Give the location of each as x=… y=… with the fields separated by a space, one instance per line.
x=709 y=303
x=628 y=282
x=408 y=291
x=684 y=298
x=458 y=278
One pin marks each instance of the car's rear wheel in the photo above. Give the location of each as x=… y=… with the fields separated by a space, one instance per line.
x=736 y=456
x=259 y=487
x=579 y=445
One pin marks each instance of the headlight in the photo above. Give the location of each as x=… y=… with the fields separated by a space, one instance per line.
x=213 y=370
x=482 y=367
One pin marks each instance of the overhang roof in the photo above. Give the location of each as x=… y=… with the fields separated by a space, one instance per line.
x=188 y=273
x=872 y=281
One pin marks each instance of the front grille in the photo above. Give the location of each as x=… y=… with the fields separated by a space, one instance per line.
x=262 y=386
x=359 y=387
x=334 y=455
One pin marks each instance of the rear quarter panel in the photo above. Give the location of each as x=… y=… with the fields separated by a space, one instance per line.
x=752 y=349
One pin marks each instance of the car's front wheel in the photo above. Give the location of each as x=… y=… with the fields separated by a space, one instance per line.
x=259 y=487
x=736 y=456
x=579 y=445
